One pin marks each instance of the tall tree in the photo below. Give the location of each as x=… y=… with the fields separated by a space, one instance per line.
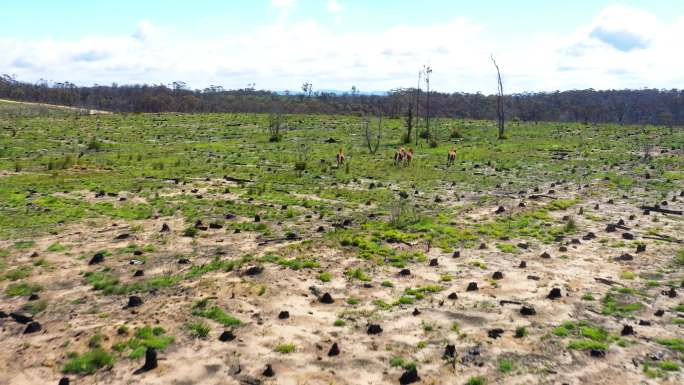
x=499 y=101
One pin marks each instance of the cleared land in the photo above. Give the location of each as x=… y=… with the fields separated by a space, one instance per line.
x=218 y=232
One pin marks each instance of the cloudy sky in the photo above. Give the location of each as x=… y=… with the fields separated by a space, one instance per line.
x=541 y=45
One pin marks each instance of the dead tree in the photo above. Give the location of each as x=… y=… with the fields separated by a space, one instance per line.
x=428 y=71
x=499 y=101
x=409 y=123
x=373 y=148
x=420 y=74
x=275 y=123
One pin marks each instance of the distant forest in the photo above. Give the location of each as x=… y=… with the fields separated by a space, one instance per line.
x=645 y=106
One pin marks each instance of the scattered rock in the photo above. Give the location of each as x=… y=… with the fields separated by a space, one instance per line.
x=227 y=336
x=409 y=377
x=589 y=236
x=533 y=277
x=523 y=246
x=644 y=322
x=415 y=311
x=472 y=286
x=500 y=210
x=641 y=248
x=257 y=218
x=33 y=297
x=563 y=249
x=97 y=258
x=21 y=318
x=123 y=236
x=64 y=381
x=482 y=246
x=449 y=351
x=555 y=293
x=326 y=298
x=522 y=264
x=134 y=301
x=627 y=236
x=284 y=314
x=404 y=272
x=374 y=329
x=672 y=293
x=253 y=270
x=165 y=228
x=627 y=330
x=452 y=296
x=139 y=273
x=624 y=257
x=545 y=255
x=611 y=228
x=597 y=353
x=497 y=275
x=659 y=313
x=33 y=327
x=434 y=262
x=334 y=350
x=183 y=261
x=457 y=254
x=527 y=310
x=150 y=361
x=495 y=333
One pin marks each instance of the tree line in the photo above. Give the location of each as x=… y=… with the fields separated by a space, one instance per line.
x=644 y=106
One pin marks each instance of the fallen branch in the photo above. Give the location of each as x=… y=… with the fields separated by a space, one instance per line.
x=662 y=210
x=605 y=281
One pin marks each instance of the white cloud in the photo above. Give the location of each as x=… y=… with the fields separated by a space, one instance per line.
x=334 y=6
x=623 y=53
x=283 y=6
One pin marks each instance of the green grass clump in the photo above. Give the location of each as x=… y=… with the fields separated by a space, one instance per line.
x=352 y=301
x=22 y=289
x=669 y=366
x=588 y=297
x=18 y=273
x=477 y=380
x=400 y=362
x=215 y=313
x=339 y=323
x=297 y=263
x=285 y=348
x=679 y=307
x=387 y=283
x=611 y=305
x=198 y=329
x=505 y=365
x=148 y=337
x=325 y=276
x=627 y=275
x=672 y=343
x=587 y=345
x=89 y=362
x=507 y=248
x=357 y=274
x=56 y=248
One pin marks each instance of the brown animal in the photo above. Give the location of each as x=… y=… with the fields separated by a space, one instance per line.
x=451 y=157
x=399 y=156
x=340 y=157
x=408 y=156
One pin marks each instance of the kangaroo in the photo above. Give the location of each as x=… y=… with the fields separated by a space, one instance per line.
x=340 y=157
x=408 y=156
x=451 y=157
x=399 y=156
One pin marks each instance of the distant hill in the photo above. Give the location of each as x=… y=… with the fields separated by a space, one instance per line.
x=644 y=106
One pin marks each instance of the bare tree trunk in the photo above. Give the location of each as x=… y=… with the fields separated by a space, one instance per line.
x=428 y=71
x=420 y=73
x=499 y=101
x=373 y=148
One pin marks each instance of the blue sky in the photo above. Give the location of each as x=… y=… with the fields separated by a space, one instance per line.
x=380 y=44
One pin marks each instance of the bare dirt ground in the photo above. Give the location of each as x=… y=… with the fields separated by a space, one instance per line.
x=418 y=331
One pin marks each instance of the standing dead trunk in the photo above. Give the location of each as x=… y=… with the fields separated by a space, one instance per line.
x=499 y=101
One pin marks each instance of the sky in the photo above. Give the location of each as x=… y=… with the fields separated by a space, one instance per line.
x=378 y=45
